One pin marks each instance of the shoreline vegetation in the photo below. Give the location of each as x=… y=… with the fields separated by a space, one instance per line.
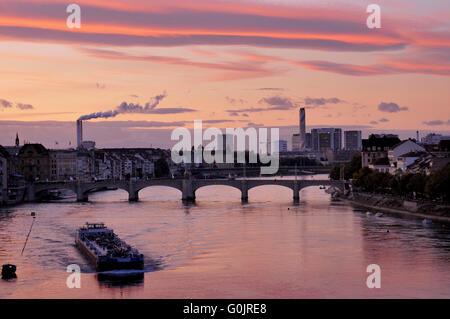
x=418 y=194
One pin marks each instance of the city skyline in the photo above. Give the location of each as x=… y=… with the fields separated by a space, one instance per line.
x=257 y=71
x=115 y=133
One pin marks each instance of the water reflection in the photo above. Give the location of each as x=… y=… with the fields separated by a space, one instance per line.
x=218 y=247
x=117 y=279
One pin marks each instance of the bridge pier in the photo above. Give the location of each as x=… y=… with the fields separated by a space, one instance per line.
x=30 y=193
x=296 y=192
x=133 y=195
x=188 y=198
x=188 y=194
x=82 y=197
x=244 y=191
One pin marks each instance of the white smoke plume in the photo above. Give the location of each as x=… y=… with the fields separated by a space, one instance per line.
x=125 y=107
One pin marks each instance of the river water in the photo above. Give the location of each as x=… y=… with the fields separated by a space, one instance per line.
x=220 y=248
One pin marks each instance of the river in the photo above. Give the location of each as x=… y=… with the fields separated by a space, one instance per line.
x=221 y=248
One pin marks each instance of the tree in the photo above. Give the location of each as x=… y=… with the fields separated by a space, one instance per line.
x=361 y=176
x=354 y=166
x=161 y=167
x=416 y=184
x=335 y=172
x=394 y=185
x=438 y=184
x=350 y=168
x=372 y=180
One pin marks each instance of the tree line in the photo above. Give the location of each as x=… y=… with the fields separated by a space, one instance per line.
x=435 y=186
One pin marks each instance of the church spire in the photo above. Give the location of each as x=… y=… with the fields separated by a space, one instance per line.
x=17 y=140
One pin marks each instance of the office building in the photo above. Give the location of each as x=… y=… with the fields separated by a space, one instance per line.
x=295 y=142
x=302 y=129
x=282 y=146
x=326 y=139
x=308 y=146
x=352 y=140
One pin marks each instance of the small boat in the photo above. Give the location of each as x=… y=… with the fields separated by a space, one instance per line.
x=106 y=250
x=379 y=214
x=8 y=271
x=54 y=194
x=427 y=221
x=369 y=213
x=51 y=194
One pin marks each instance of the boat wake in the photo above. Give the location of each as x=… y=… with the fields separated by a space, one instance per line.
x=122 y=272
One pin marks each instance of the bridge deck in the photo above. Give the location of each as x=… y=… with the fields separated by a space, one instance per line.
x=186 y=186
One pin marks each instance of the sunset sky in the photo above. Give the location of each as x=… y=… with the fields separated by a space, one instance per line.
x=229 y=63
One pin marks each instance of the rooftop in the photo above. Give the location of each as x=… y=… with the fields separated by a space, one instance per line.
x=381 y=140
x=414 y=154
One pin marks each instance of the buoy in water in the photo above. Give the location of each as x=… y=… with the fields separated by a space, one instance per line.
x=8 y=271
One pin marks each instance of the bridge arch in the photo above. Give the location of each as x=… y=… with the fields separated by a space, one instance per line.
x=272 y=191
x=328 y=183
x=195 y=188
x=235 y=186
x=291 y=187
x=146 y=189
x=89 y=189
x=118 y=194
x=159 y=185
x=35 y=191
x=37 y=194
x=86 y=188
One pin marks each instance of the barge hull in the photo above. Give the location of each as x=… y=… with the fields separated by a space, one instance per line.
x=109 y=264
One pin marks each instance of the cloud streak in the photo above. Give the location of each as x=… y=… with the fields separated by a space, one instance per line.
x=7 y=104
x=233 y=70
x=210 y=23
x=174 y=23
x=436 y=123
x=278 y=103
x=273 y=103
x=391 y=107
x=387 y=67
x=321 y=101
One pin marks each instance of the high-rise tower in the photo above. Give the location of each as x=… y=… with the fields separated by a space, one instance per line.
x=302 y=129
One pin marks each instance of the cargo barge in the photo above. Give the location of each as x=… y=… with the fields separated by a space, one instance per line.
x=106 y=250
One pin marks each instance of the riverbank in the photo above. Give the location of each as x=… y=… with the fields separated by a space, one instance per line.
x=395 y=205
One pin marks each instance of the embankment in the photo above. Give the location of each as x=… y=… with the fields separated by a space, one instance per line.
x=396 y=205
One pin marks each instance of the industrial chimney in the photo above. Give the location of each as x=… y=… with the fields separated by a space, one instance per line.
x=79 y=133
x=302 y=130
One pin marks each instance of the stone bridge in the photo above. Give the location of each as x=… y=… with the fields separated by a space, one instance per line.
x=187 y=187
